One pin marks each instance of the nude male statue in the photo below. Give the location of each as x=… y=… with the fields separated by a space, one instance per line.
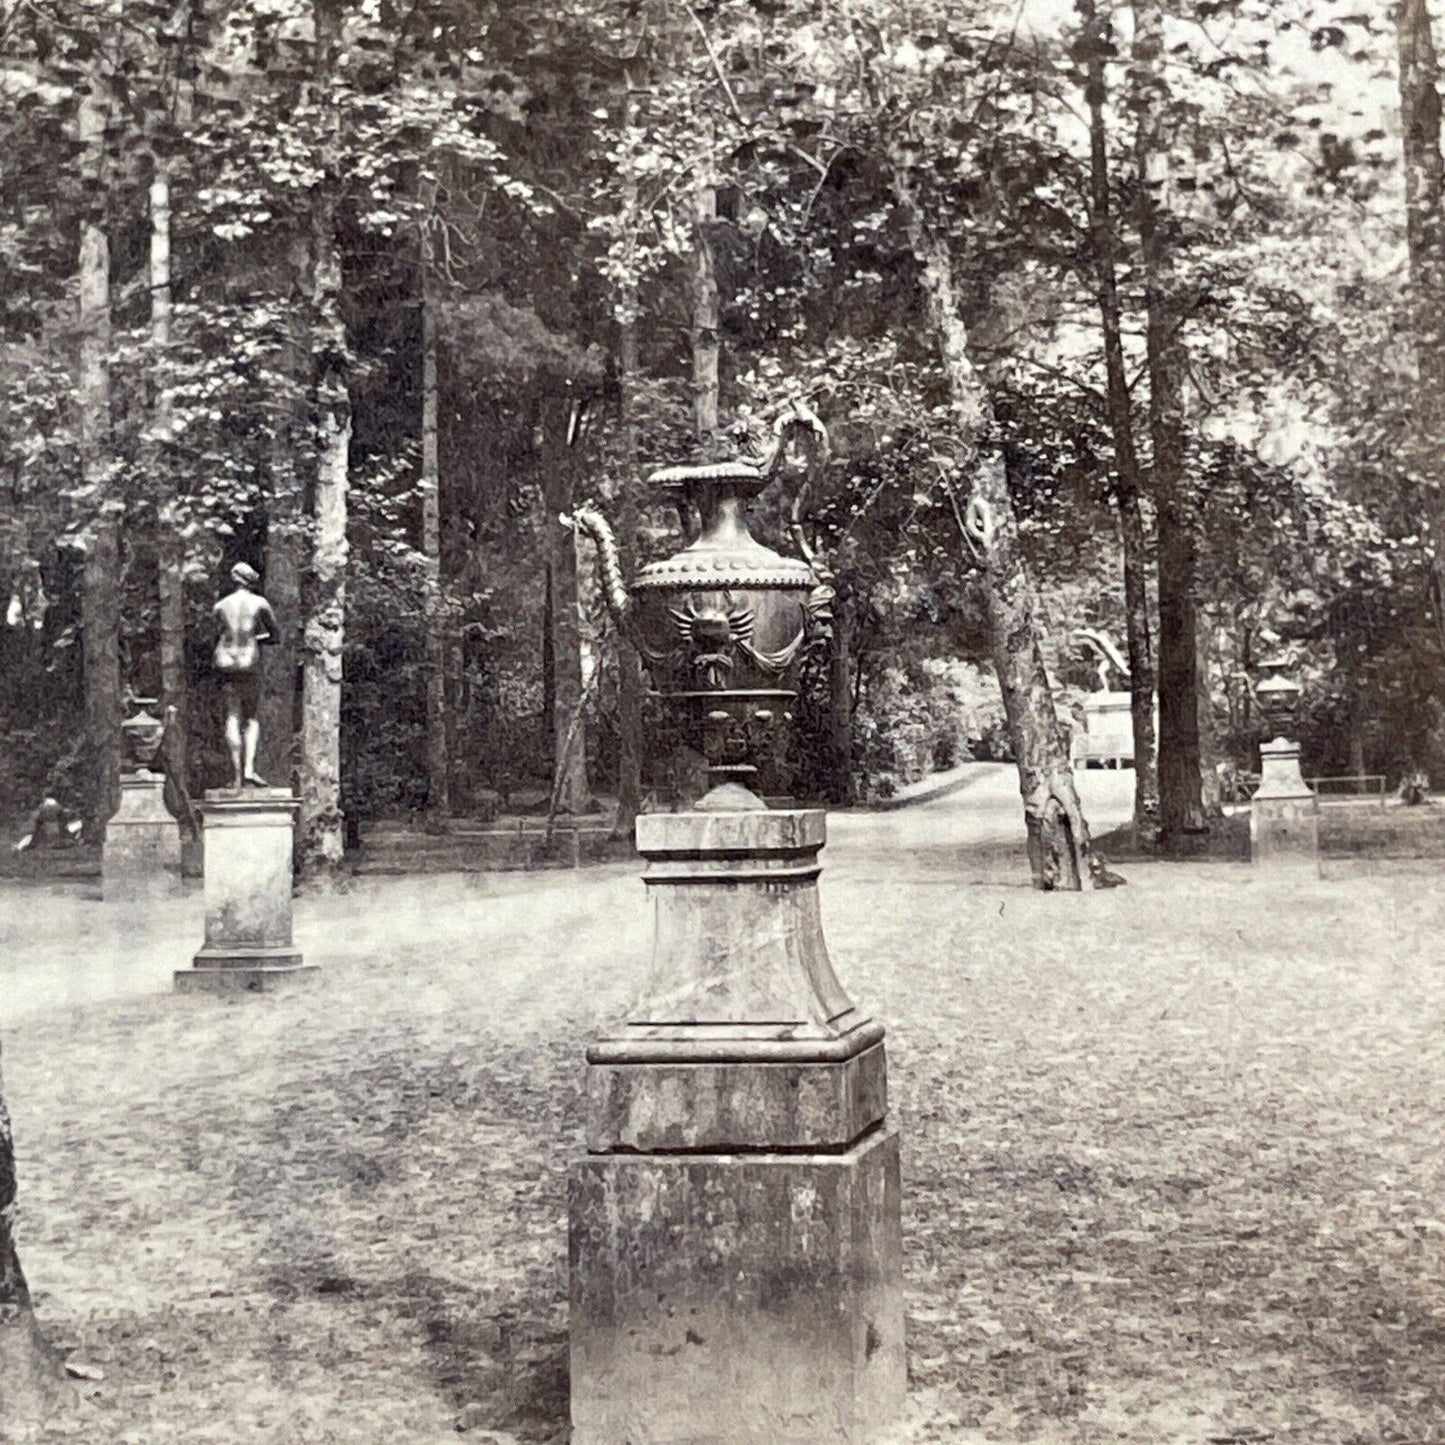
x=246 y=622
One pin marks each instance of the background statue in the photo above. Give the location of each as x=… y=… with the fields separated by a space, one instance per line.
x=246 y=622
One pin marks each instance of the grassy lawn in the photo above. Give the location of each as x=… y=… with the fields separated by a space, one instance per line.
x=1173 y=1165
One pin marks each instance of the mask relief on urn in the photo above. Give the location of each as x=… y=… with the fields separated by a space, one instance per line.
x=710 y=632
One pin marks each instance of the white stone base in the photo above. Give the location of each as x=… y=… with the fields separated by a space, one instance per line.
x=247 y=845
x=141 y=855
x=1284 y=816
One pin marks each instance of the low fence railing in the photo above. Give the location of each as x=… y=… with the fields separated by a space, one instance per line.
x=1349 y=786
x=1338 y=787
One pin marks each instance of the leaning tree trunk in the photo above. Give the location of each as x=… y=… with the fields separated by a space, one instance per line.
x=30 y=1374
x=1128 y=485
x=1181 y=804
x=100 y=609
x=1060 y=852
x=322 y=842
x=438 y=792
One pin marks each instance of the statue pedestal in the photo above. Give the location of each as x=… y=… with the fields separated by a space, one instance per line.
x=735 y=1247
x=247 y=850
x=141 y=855
x=1284 y=815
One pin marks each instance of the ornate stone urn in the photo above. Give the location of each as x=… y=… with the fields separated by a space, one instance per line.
x=1284 y=814
x=1278 y=697
x=142 y=732
x=721 y=625
x=734 y=1227
x=140 y=856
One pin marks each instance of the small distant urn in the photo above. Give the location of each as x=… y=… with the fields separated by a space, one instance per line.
x=1278 y=697
x=142 y=732
x=721 y=625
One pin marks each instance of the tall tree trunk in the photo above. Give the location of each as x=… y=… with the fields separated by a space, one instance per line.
x=706 y=321
x=1128 y=485
x=629 y=664
x=569 y=734
x=321 y=842
x=840 y=709
x=286 y=527
x=838 y=744
x=438 y=791
x=170 y=549
x=1211 y=791
x=30 y=1375
x=1181 y=805
x=325 y=627
x=1425 y=235
x=1060 y=852
x=100 y=621
x=549 y=641
x=630 y=678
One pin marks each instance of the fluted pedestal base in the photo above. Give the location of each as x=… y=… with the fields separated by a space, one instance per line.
x=735 y=1242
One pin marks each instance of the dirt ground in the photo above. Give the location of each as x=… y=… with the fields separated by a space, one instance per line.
x=1172 y=1153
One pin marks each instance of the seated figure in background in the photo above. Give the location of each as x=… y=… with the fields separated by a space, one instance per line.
x=51 y=825
x=246 y=622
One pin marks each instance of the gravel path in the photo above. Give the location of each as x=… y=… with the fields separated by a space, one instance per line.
x=1173 y=1160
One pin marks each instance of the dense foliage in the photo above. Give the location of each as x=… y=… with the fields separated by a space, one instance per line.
x=453 y=247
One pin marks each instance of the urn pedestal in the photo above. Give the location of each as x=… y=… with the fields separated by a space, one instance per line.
x=247 y=844
x=735 y=1247
x=1284 y=815
x=141 y=855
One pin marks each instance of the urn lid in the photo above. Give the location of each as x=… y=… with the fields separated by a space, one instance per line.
x=726 y=554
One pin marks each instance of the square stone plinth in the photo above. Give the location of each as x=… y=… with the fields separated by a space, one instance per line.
x=247 y=848
x=259 y=971
x=1284 y=832
x=141 y=855
x=754 y=1299
x=646 y=1107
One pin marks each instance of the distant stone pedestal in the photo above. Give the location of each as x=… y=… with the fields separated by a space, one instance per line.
x=1107 y=737
x=1284 y=818
x=735 y=1254
x=247 y=860
x=141 y=855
